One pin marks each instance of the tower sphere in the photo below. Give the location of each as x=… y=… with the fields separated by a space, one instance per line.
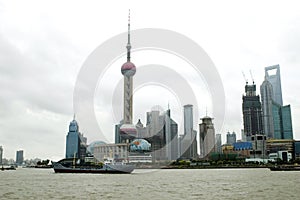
x=128 y=129
x=128 y=69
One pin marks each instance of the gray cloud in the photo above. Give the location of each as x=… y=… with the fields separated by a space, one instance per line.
x=42 y=48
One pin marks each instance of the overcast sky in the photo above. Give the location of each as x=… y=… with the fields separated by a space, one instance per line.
x=43 y=45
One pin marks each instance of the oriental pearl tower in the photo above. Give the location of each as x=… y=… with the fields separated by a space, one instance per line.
x=128 y=130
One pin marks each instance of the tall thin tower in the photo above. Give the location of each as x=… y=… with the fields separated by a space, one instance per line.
x=275 y=81
x=188 y=119
x=128 y=69
x=277 y=119
x=266 y=90
x=207 y=137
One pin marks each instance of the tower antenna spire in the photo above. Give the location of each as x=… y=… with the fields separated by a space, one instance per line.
x=128 y=46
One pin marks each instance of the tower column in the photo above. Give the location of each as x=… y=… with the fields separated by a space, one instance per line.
x=127 y=111
x=128 y=130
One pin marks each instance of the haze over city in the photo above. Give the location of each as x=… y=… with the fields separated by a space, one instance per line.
x=43 y=47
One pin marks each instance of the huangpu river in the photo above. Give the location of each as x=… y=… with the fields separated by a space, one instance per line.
x=26 y=183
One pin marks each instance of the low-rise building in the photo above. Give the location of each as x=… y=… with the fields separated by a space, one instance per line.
x=118 y=151
x=227 y=148
x=258 y=146
x=275 y=145
x=243 y=149
x=140 y=158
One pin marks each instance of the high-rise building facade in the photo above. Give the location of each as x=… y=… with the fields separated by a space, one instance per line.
x=141 y=129
x=230 y=138
x=266 y=91
x=297 y=150
x=252 y=112
x=244 y=137
x=282 y=122
x=161 y=131
x=82 y=146
x=218 y=143
x=287 y=127
x=20 y=157
x=171 y=134
x=274 y=79
x=188 y=142
x=73 y=140
x=277 y=120
x=76 y=144
x=188 y=145
x=207 y=137
x=188 y=118
x=117 y=133
x=276 y=112
x=162 y=134
x=128 y=130
x=258 y=146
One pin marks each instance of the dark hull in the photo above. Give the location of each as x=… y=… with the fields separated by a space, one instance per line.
x=106 y=169
x=94 y=171
x=285 y=168
x=8 y=168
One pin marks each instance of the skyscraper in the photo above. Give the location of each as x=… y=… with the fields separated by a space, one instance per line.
x=73 y=140
x=266 y=91
x=287 y=127
x=141 y=130
x=277 y=120
x=171 y=134
x=20 y=157
x=188 y=142
x=230 y=138
x=244 y=137
x=76 y=144
x=207 y=137
x=274 y=79
x=188 y=118
x=282 y=121
x=128 y=130
x=162 y=133
x=252 y=112
x=219 y=143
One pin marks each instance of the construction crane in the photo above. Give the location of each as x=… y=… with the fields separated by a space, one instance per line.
x=251 y=77
x=245 y=78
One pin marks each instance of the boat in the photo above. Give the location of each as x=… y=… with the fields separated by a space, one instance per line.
x=43 y=166
x=105 y=168
x=8 y=168
x=285 y=168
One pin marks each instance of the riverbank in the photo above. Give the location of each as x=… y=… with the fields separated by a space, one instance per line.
x=214 y=167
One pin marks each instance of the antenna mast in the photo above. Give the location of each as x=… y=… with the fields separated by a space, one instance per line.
x=128 y=46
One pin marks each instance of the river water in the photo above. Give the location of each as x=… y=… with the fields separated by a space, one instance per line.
x=151 y=184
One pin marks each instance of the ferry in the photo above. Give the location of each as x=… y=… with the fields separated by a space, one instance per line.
x=285 y=168
x=108 y=167
x=8 y=168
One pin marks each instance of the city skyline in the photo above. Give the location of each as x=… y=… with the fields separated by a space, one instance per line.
x=42 y=55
